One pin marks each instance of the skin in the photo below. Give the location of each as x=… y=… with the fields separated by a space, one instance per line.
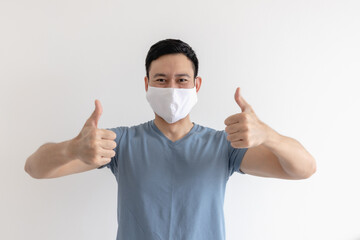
x=171 y=65
x=91 y=148
x=269 y=153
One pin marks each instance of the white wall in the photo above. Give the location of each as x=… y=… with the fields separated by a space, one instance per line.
x=297 y=63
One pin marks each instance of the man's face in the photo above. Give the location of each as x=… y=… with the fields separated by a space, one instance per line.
x=171 y=71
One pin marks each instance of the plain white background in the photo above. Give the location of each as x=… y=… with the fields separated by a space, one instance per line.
x=297 y=63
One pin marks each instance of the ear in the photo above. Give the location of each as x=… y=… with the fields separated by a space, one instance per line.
x=198 y=83
x=146 y=83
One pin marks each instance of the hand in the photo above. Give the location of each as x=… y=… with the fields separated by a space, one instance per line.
x=244 y=129
x=94 y=146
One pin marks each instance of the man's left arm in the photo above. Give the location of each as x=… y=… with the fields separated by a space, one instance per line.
x=269 y=153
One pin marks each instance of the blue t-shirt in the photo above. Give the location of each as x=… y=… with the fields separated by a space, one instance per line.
x=172 y=190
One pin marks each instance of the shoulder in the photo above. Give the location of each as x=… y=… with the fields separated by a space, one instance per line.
x=130 y=130
x=209 y=132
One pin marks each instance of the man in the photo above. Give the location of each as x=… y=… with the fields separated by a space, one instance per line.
x=172 y=172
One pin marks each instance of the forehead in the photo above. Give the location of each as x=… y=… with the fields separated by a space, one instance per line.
x=171 y=64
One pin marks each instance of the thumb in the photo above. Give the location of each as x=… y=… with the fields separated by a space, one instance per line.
x=95 y=116
x=245 y=107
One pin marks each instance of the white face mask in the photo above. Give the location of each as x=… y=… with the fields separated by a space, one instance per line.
x=172 y=104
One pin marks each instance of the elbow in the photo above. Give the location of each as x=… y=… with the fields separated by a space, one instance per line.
x=304 y=172
x=27 y=169
x=313 y=167
x=311 y=170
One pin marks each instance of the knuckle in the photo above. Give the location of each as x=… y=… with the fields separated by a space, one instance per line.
x=93 y=145
x=246 y=127
x=113 y=135
x=93 y=160
x=105 y=161
x=96 y=151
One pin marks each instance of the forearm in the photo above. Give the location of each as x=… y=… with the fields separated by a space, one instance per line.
x=48 y=158
x=293 y=157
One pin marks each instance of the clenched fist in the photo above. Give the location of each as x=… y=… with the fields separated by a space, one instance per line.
x=95 y=146
x=245 y=130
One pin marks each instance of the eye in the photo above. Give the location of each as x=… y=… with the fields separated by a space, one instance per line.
x=160 y=80
x=183 y=79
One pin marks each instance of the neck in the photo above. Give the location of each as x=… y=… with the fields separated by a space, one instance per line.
x=174 y=131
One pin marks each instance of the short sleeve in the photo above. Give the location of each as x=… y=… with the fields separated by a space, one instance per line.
x=236 y=156
x=114 y=160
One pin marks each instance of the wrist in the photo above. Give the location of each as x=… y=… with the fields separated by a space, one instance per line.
x=70 y=149
x=272 y=138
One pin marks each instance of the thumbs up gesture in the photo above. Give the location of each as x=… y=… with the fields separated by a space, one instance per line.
x=95 y=146
x=244 y=129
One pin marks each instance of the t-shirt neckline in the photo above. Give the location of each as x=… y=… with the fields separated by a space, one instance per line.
x=192 y=130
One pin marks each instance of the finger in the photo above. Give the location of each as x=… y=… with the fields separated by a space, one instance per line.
x=235 y=136
x=243 y=104
x=105 y=160
x=232 y=119
x=108 y=144
x=107 y=153
x=95 y=116
x=107 y=134
x=238 y=144
x=233 y=128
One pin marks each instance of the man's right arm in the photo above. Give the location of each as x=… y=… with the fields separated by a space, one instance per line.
x=53 y=160
x=91 y=149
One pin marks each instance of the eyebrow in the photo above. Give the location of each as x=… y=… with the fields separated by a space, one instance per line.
x=176 y=75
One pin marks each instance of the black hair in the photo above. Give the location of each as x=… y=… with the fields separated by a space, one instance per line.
x=171 y=46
